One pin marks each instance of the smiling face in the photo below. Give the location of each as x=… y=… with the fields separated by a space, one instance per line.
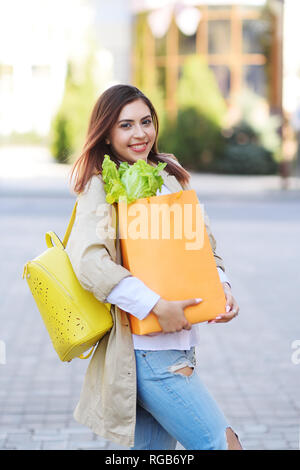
x=133 y=135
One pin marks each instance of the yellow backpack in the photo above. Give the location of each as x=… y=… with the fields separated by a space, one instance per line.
x=74 y=318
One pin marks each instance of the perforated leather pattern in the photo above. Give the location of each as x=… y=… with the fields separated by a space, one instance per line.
x=63 y=322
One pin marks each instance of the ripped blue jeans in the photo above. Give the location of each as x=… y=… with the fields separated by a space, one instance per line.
x=174 y=407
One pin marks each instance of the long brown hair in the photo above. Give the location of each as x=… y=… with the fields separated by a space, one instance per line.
x=104 y=115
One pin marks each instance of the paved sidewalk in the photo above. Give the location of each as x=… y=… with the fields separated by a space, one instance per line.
x=248 y=364
x=32 y=171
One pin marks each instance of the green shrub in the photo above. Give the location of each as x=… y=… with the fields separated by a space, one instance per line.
x=198 y=89
x=251 y=146
x=193 y=138
x=243 y=152
x=247 y=159
x=69 y=126
x=255 y=119
x=62 y=142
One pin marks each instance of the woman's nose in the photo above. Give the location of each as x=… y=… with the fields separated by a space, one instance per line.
x=139 y=131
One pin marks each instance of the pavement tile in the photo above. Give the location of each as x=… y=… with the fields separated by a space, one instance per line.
x=245 y=364
x=255 y=429
x=54 y=445
x=30 y=446
x=86 y=445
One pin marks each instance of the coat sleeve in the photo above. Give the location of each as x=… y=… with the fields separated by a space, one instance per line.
x=213 y=243
x=92 y=244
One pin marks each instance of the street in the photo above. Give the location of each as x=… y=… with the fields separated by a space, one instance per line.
x=250 y=365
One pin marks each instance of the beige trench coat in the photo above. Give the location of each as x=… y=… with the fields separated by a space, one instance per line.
x=107 y=403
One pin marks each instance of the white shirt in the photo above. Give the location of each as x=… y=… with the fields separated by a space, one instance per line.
x=134 y=297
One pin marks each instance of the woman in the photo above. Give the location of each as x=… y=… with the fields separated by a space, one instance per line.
x=140 y=391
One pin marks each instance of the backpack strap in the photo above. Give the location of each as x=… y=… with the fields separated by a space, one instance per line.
x=70 y=225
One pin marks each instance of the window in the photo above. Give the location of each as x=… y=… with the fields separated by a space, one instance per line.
x=161 y=46
x=254 y=36
x=235 y=41
x=218 y=37
x=186 y=44
x=222 y=75
x=254 y=77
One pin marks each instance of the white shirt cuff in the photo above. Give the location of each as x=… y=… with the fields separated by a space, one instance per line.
x=133 y=296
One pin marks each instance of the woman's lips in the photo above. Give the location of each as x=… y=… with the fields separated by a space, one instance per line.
x=139 y=147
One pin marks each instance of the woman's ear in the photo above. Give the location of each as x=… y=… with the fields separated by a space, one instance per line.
x=107 y=141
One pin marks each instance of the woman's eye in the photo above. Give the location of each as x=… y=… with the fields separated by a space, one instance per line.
x=127 y=125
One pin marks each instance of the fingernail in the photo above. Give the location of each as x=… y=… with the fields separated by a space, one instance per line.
x=219 y=317
x=199 y=300
x=227 y=308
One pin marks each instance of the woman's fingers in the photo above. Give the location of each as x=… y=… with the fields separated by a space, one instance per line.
x=189 y=302
x=232 y=310
x=187 y=326
x=170 y=314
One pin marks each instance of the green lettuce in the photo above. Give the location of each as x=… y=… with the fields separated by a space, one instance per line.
x=113 y=186
x=130 y=182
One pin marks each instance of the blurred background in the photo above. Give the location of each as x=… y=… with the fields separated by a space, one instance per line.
x=225 y=79
x=225 y=73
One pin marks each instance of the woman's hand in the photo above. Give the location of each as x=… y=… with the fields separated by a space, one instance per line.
x=170 y=314
x=232 y=308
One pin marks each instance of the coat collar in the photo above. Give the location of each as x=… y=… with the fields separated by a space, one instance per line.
x=170 y=182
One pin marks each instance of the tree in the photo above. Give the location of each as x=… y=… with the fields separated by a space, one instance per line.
x=69 y=126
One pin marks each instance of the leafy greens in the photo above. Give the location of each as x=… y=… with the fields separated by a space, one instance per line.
x=130 y=182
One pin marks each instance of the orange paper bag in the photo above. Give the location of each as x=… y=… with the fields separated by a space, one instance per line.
x=165 y=244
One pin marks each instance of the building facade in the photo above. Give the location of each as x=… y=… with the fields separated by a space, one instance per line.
x=240 y=41
x=246 y=43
